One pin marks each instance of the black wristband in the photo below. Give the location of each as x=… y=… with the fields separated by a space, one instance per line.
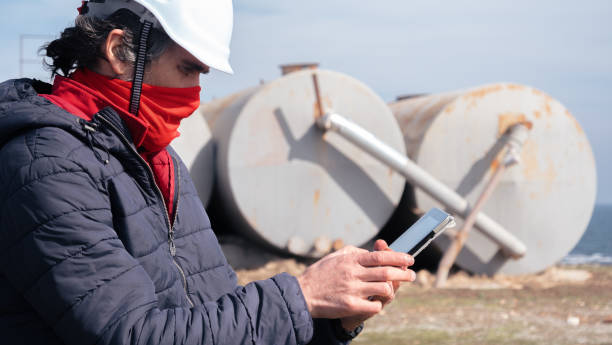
x=341 y=333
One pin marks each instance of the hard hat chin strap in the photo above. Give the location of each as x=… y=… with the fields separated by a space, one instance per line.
x=139 y=66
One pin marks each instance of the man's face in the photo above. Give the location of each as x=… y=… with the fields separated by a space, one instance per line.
x=175 y=68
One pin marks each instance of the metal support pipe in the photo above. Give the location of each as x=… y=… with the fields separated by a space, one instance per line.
x=517 y=135
x=365 y=140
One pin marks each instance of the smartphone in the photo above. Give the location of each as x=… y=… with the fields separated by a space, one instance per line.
x=423 y=232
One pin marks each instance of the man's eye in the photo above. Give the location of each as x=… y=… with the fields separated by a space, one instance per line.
x=186 y=70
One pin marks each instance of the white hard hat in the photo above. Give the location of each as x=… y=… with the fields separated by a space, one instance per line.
x=202 y=27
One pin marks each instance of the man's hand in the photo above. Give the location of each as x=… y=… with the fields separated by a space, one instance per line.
x=338 y=285
x=351 y=322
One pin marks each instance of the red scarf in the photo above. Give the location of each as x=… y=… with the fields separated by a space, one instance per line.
x=161 y=108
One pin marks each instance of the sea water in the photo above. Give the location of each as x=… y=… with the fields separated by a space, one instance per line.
x=595 y=246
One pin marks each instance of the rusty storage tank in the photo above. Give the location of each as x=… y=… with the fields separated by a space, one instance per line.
x=195 y=146
x=283 y=182
x=546 y=200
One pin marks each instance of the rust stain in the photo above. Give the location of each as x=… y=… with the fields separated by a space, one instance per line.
x=576 y=123
x=550 y=175
x=337 y=244
x=291 y=68
x=326 y=104
x=482 y=92
x=578 y=127
x=515 y=87
x=495 y=164
x=533 y=196
x=449 y=109
x=507 y=120
x=318 y=101
x=478 y=94
x=316 y=110
x=317 y=196
x=537 y=114
x=529 y=159
x=547 y=108
x=532 y=168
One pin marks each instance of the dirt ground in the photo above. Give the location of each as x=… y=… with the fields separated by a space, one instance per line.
x=563 y=305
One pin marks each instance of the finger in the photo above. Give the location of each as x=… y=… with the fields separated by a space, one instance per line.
x=386 y=274
x=383 y=290
x=395 y=286
x=384 y=299
x=385 y=258
x=381 y=245
x=361 y=306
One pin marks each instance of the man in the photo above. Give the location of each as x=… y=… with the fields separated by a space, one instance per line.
x=104 y=240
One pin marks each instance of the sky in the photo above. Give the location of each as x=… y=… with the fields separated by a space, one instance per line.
x=398 y=47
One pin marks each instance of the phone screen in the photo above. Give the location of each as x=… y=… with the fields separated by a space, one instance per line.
x=418 y=231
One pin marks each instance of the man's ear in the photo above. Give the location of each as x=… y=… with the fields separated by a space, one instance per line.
x=113 y=44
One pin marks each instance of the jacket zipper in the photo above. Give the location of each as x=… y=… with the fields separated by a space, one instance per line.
x=160 y=195
x=171 y=233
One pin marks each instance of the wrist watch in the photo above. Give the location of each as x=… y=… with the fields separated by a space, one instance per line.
x=341 y=333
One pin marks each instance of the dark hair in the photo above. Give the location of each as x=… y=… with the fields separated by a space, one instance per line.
x=81 y=45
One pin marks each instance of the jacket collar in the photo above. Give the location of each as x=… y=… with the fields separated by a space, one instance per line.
x=83 y=101
x=22 y=109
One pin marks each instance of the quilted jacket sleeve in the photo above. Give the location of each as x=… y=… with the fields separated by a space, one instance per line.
x=59 y=250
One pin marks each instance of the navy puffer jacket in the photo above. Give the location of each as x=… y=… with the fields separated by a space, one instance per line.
x=85 y=253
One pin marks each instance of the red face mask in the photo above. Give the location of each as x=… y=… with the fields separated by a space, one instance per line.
x=161 y=108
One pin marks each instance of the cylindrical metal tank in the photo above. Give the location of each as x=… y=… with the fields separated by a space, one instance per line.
x=195 y=146
x=546 y=200
x=282 y=181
